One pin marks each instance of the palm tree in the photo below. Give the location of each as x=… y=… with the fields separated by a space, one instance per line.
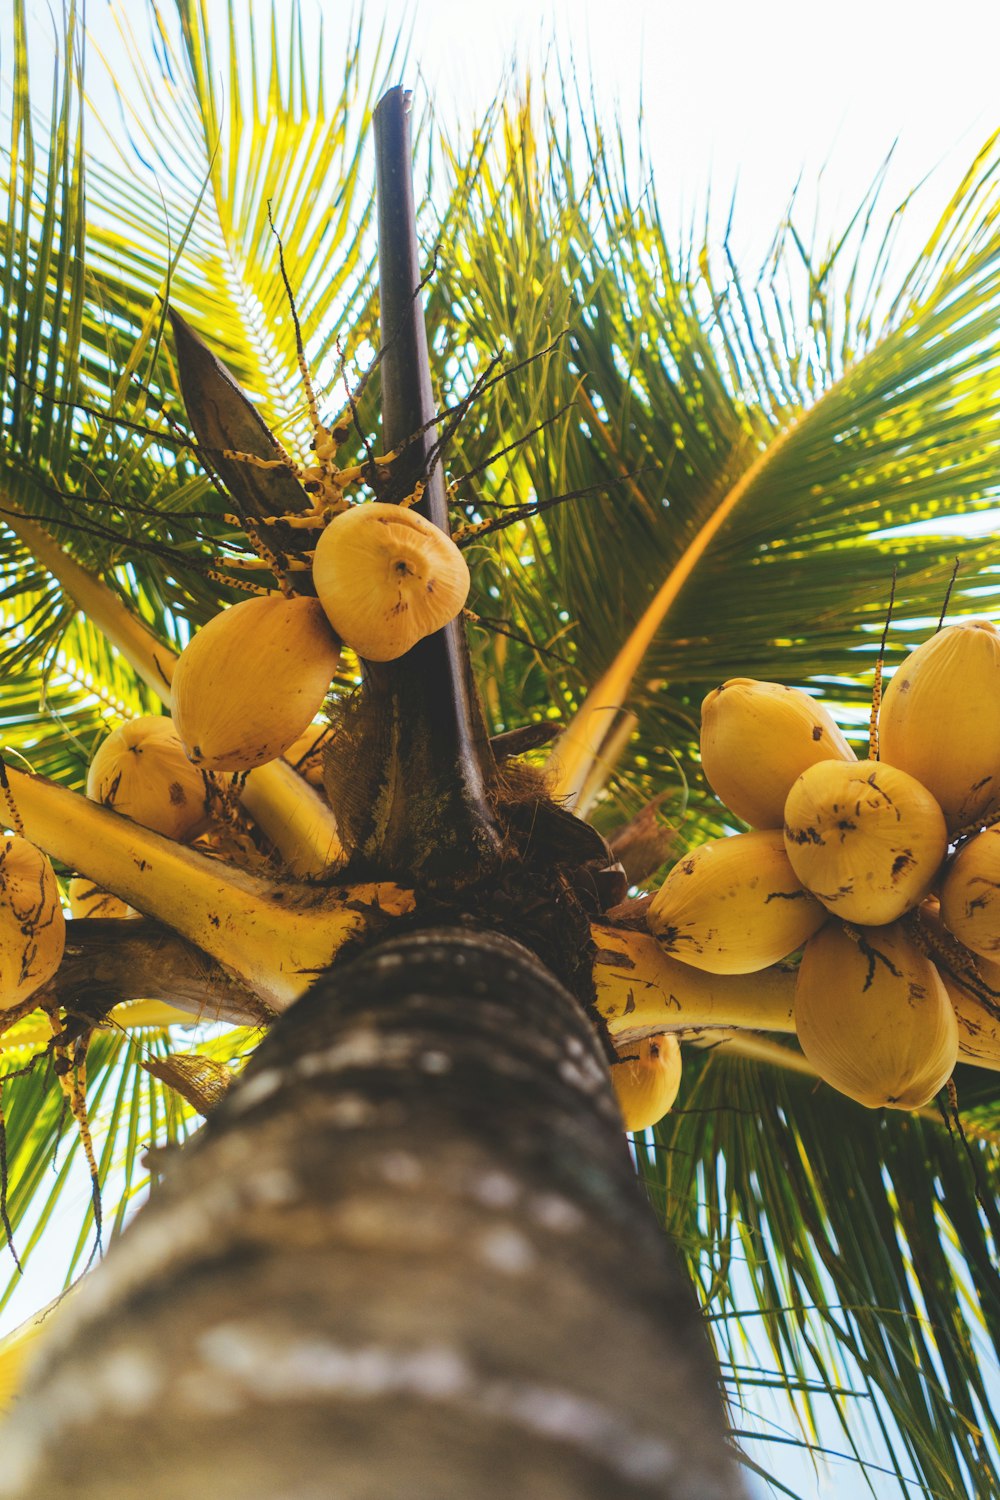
x=414 y=1209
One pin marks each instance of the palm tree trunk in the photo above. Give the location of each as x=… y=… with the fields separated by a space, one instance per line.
x=406 y=1257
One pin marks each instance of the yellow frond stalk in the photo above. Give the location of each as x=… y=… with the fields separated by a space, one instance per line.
x=641 y=991
x=274 y=937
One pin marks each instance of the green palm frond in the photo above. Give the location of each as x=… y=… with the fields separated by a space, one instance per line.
x=275 y=136
x=129 y=1111
x=186 y=215
x=864 y=1260
x=759 y=448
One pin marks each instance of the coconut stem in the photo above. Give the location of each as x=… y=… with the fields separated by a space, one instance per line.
x=873 y=753
x=436 y=822
x=274 y=937
x=109 y=960
x=641 y=991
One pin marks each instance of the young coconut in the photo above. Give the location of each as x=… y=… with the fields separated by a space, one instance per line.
x=386 y=578
x=32 y=925
x=141 y=770
x=978 y=1028
x=757 y=738
x=973 y=986
x=734 y=906
x=646 y=1079
x=970 y=894
x=88 y=900
x=940 y=719
x=874 y=1018
x=252 y=680
x=865 y=838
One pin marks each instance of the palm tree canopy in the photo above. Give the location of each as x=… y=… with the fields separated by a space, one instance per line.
x=746 y=459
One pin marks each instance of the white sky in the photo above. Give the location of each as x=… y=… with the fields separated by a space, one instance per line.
x=733 y=93
x=736 y=92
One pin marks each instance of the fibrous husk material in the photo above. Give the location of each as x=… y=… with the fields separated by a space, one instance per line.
x=646 y=1079
x=141 y=770
x=865 y=838
x=252 y=680
x=734 y=905
x=32 y=925
x=873 y=1016
x=940 y=719
x=757 y=738
x=387 y=577
x=202 y=1081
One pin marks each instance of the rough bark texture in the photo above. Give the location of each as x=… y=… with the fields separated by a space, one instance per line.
x=407 y=1257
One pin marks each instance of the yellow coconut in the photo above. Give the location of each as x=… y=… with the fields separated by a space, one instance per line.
x=387 y=577
x=141 y=770
x=973 y=985
x=647 y=1077
x=734 y=906
x=866 y=839
x=978 y=1026
x=32 y=925
x=88 y=900
x=970 y=894
x=874 y=1018
x=940 y=720
x=252 y=680
x=757 y=738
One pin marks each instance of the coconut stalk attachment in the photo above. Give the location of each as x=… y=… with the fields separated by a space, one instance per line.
x=32 y=925
x=756 y=740
x=865 y=838
x=426 y=761
x=305 y=755
x=940 y=720
x=874 y=1018
x=646 y=1078
x=734 y=906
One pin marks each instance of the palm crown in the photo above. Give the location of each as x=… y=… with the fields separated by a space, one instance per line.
x=743 y=459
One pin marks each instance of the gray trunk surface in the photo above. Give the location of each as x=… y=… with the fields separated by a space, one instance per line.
x=406 y=1259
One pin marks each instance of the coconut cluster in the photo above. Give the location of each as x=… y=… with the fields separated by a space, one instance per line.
x=885 y=873
x=249 y=684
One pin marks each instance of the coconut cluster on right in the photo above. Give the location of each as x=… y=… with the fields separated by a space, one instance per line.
x=885 y=872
